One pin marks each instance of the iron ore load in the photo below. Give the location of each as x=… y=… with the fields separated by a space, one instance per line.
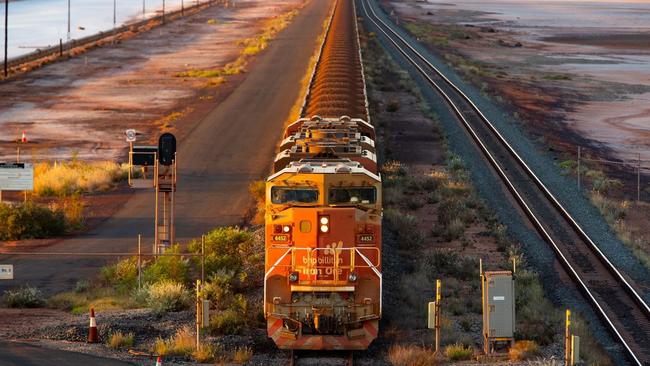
x=323 y=282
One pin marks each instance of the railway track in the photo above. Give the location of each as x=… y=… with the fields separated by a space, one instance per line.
x=604 y=287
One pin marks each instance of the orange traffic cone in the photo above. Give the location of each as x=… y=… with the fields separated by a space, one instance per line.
x=23 y=139
x=92 y=330
x=159 y=361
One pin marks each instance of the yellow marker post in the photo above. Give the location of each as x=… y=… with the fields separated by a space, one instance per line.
x=438 y=297
x=198 y=314
x=567 y=338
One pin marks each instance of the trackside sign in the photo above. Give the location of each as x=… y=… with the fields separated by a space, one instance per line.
x=16 y=177
x=6 y=272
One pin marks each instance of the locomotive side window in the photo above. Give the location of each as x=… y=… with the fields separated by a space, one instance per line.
x=352 y=195
x=294 y=195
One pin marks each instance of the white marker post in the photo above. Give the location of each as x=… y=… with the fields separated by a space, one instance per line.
x=6 y=272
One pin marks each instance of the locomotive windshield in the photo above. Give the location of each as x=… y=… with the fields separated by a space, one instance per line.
x=352 y=195
x=294 y=195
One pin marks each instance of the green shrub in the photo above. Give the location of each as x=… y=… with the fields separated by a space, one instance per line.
x=29 y=220
x=458 y=352
x=166 y=296
x=24 y=297
x=81 y=286
x=392 y=106
x=123 y=275
x=218 y=289
x=167 y=268
x=405 y=227
x=536 y=317
x=450 y=264
x=229 y=322
x=455 y=229
x=233 y=250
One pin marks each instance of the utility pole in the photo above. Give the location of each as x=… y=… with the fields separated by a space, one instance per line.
x=163 y=13
x=114 y=13
x=6 y=35
x=68 y=20
x=143 y=12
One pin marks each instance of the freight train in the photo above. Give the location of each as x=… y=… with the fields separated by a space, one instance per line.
x=323 y=280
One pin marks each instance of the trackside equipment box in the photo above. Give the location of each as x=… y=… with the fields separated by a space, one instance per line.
x=498 y=290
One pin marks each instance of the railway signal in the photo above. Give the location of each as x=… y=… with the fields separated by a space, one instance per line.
x=162 y=159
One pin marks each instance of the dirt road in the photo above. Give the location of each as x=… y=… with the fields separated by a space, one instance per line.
x=232 y=144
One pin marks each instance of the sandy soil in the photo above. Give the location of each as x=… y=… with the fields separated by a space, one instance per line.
x=83 y=105
x=591 y=80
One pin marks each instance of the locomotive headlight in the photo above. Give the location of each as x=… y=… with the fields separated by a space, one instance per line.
x=293 y=277
x=352 y=277
x=324 y=220
x=324 y=228
x=286 y=228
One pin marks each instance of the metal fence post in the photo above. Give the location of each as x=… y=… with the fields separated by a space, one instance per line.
x=638 y=180
x=139 y=261
x=202 y=258
x=579 y=151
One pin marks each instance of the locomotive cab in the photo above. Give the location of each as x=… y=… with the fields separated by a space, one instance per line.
x=323 y=264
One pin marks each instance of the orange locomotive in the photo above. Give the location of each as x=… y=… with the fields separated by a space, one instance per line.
x=323 y=238
x=323 y=284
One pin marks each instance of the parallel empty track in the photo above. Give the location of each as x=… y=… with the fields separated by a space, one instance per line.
x=337 y=87
x=609 y=292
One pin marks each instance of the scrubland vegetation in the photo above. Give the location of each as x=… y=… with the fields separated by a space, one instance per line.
x=604 y=193
x=439 y=227
x=62 y=185
x=75 y=177
x=233 y=269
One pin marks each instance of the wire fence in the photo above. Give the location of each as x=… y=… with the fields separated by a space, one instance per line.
x=626 y=178
x=140 y=254
x=166 y=10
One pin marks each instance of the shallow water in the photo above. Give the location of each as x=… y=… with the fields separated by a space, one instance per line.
x=556 y=13
x=37 y=24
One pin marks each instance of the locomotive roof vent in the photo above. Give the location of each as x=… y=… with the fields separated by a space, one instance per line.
x=305 y=168
x=343 y=169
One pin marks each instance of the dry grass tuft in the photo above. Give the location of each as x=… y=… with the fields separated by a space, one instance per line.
x=207 y=353
x=180 y=344
x=458 y=352
x=410 y=355
x=242 y=355
x=120 y=340
x=523 y=350
x=66 y=178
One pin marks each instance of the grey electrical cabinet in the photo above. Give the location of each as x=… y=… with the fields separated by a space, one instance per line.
x=498 y=307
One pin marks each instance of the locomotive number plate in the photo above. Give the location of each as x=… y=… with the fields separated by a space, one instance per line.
x=280 y=238
x=366 y=238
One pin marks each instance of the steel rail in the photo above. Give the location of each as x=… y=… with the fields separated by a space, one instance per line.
x=536 y=222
